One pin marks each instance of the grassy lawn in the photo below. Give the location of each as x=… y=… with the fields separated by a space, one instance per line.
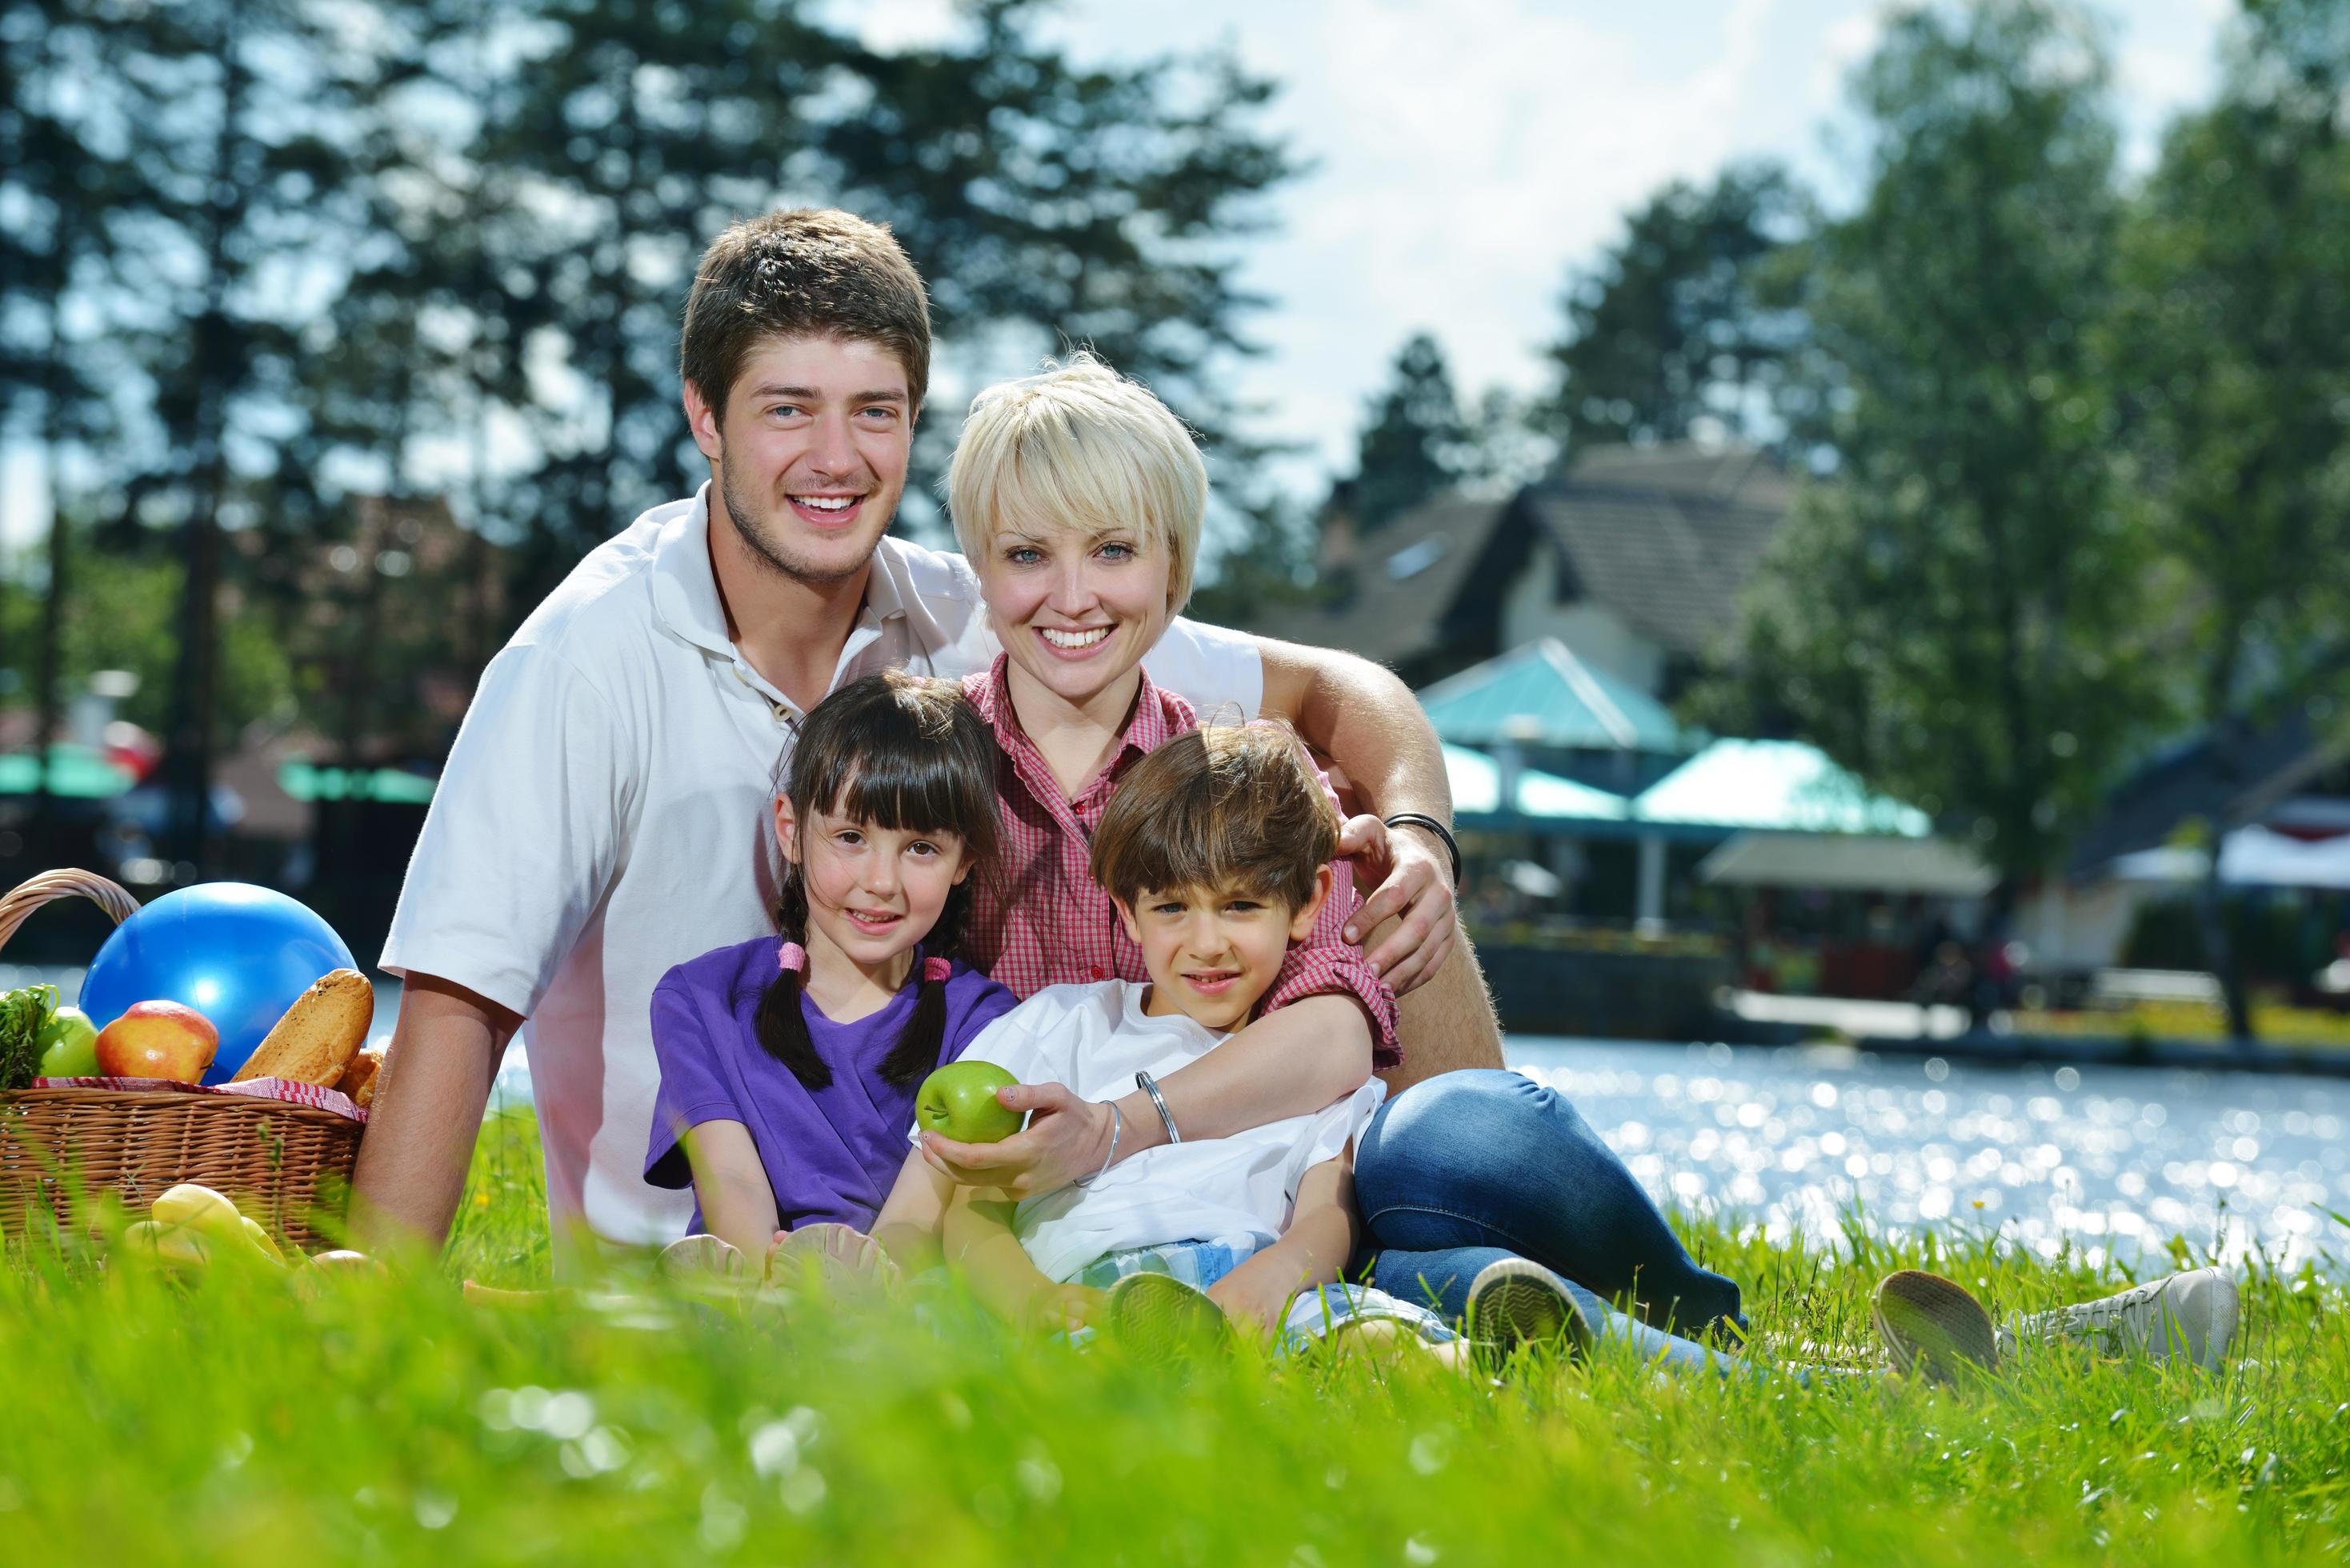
x=392 y=1422
x=2273 y=1021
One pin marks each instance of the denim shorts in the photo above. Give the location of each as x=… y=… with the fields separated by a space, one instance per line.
x=1312 y=1314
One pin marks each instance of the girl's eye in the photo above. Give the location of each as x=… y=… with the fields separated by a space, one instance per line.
x=922 y=847
x=849 y=836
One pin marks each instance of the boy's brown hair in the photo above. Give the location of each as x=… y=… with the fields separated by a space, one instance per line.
x=807 y=273
x=1237 y=805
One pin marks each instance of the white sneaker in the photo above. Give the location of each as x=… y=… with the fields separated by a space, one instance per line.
x=2192 y=1316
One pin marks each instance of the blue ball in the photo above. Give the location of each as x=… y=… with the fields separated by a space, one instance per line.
x=236 y=953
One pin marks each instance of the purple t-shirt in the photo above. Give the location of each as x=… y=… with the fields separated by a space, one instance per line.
x=830 y=1152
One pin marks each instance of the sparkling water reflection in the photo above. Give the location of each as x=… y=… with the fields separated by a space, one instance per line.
x=2117 y=1159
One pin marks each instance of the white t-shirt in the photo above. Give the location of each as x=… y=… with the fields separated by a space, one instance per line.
x=1236 y=1190
x=607 y=813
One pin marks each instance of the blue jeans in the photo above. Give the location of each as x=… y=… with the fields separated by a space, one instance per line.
x=1491 y=1163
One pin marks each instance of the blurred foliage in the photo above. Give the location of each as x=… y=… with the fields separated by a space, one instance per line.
x=1959 y=614
x=1415 y=443
x=265 y=260
x=1674 y=331
x=123 y=614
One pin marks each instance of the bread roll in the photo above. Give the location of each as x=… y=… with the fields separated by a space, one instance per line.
x=358 y=1079
x=319 y=1035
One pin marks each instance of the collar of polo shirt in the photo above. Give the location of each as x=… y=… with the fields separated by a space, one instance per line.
x=685 y=584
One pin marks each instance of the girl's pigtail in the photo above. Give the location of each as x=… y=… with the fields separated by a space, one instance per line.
x=780 y=1022
x=911 y=1059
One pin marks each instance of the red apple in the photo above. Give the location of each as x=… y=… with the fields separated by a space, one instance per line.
x=157 y=1039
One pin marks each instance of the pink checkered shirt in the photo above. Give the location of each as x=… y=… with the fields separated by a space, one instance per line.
x=1048 y=924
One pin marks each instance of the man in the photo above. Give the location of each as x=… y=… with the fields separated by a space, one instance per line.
x=601 y=816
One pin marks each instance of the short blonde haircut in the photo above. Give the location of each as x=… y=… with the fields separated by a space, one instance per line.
x=1080 y=446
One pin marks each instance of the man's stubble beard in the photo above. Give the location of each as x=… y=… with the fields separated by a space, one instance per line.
x=750 y=527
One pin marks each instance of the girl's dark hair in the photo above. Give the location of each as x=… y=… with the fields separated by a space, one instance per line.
x=904 y=752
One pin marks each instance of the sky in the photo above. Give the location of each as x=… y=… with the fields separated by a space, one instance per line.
x=1466 y=154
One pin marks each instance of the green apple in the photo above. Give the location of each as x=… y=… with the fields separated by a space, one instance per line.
x=959 y=1102
x=69 y=1045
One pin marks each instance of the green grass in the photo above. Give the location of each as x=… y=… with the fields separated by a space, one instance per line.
x=2275 y=1022
x=141 y=1421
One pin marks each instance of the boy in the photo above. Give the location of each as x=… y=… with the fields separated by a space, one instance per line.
x=1215 y=850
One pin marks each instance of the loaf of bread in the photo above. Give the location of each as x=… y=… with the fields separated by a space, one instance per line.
x=314 y=1041
x=358 y=1079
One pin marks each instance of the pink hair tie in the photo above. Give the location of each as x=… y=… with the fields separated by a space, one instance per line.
x=794 y=958
x=937 y=968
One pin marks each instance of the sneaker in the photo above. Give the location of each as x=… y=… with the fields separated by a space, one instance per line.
x=1933 y=1325
x=1163 y=1319
x=1512 y=1302
x=2192 y=1316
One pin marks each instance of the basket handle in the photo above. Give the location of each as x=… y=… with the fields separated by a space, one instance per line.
x=50 y=886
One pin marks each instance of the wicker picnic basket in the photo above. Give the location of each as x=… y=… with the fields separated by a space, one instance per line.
x=286 y=1165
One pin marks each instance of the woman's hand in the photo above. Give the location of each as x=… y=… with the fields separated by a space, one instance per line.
x=1410 y=876
x=1067 y=1138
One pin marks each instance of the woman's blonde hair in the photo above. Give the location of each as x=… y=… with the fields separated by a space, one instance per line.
x=1080 y=446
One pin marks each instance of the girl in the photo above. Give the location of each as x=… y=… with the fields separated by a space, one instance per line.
x=789 y=1064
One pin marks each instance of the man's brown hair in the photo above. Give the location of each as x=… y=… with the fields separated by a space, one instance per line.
x=1237 y=805
x=808 y=273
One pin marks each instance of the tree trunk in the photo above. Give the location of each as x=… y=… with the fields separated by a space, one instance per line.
x=2219 y=948
x=195 y=682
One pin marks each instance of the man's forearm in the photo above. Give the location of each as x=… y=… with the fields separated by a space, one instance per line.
x=1289 y=1063
x=1366 y=721
x=427 y=1114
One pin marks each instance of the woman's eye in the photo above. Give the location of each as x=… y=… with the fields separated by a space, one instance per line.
x=1117 y=550
x=1023 y=556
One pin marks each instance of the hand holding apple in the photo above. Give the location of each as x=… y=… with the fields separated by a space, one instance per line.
x=959 y=1102
x=157 y=1039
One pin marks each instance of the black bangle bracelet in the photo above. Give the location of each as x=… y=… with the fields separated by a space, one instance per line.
x=1421 y=819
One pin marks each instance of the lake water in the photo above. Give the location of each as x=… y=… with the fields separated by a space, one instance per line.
x=1795 y=1137
x=2118 y=1158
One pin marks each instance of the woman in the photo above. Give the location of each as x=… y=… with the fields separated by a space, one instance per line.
x=1078 y=498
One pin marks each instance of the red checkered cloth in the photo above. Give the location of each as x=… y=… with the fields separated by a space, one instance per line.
x=284 y=1089
x=1046 y=923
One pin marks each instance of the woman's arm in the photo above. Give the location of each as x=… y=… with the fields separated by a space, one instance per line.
x=913 y=1215
x=1311 y=1251
x=737 y=1204
x=1291 y=1063
x=978 y=1230
x=1358 y=714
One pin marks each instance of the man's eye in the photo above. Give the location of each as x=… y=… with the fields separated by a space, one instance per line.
x=879 y=413
x=786 y=412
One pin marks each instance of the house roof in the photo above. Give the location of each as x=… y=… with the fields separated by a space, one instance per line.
x=1779 y=786
x=1408 y=575
x=1476 y=783
x=2236 y=774
x=1853 y=862
x=1665 y=536
x=1541 y=694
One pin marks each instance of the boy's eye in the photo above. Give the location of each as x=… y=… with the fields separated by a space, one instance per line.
x=1167 y=908
x=1244 y=906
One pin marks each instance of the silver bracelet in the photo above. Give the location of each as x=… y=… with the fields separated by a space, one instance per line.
x=1149 y=1085
x=1117 y=1125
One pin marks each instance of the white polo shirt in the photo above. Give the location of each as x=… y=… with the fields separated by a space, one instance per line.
x=1238 y=1190
x=607 y=813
